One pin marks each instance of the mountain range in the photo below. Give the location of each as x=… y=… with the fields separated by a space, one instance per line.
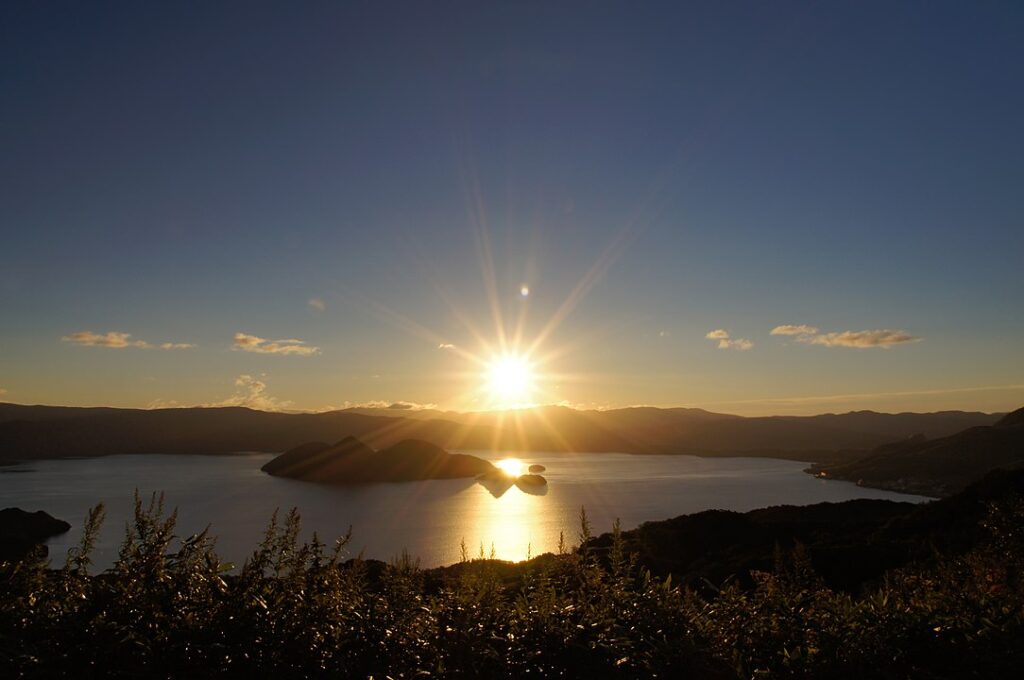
x=33 y=432
x=937 y=467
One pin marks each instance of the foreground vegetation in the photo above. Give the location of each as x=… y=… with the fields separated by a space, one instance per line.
x=169 y=608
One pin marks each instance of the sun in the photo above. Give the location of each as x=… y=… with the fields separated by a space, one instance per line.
x=510 y=466
x=510 y=380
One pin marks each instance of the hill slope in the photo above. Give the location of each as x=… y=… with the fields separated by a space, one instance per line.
x=848 y=543
x=28 y=432
x=941 y=466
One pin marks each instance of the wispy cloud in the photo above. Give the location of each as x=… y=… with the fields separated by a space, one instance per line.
x=446 y=345
x=382 y=404
x=119 y=340
x=252 y=393
x=726 y=342
x=291 y=346
x=112 y=339
x=2 y=391
x=741 y=344
x=788 y=329
x=317 y=304
x=882 y=337
x=163 y=403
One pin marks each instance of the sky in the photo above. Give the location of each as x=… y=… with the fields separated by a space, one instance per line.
x=751 y=208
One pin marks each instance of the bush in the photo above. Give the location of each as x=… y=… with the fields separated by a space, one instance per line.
x=171 y=608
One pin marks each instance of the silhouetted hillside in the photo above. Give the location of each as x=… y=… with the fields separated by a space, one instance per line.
x=28 y=432
x=941 y=466
x=208 y=431
x=849 y=543
x=700 y=432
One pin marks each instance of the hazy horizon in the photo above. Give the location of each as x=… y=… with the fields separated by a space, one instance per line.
x=398 y=409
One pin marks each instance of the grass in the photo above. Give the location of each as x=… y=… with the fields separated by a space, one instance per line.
x=169 y=608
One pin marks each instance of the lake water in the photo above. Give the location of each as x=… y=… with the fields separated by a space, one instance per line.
x=429 y=519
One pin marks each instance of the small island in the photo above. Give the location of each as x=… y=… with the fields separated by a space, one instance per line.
x=21 y=532
x=506 y=474
x=350 y=461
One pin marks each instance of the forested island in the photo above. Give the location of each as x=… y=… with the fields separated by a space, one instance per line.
x=350 y=461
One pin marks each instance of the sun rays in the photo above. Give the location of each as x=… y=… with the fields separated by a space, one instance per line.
x=501 y=356
x=510 y=381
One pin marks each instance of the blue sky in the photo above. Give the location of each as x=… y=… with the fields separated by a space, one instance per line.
x=186 y=173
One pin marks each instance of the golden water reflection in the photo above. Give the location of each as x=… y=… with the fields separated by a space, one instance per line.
x=507 y=526
x=511 y=466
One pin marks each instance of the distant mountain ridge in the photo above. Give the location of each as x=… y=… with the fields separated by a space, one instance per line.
x=941 y=466
x=686 y=430
x=30 y=432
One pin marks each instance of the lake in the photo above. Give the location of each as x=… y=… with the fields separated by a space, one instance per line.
x=429 y=519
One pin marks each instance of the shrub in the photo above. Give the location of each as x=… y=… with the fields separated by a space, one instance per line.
x=170 y=608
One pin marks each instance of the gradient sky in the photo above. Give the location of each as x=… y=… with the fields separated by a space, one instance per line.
x=378 y=180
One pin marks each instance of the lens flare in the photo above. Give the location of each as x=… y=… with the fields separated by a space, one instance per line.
x=510 y=380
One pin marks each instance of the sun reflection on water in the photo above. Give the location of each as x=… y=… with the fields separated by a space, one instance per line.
x=503 y=525
x=511 y=466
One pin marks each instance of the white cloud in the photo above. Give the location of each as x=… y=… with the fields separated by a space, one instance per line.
x=788 y=329
x=252 y=393
x=119 y=340
x=317 y=304
x=725 y=342
x=290 y=346
x=883 y=338
x=446 y=345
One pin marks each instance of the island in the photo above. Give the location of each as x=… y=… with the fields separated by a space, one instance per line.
x=350 y=461
x=532 y=484
x=21 y=532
